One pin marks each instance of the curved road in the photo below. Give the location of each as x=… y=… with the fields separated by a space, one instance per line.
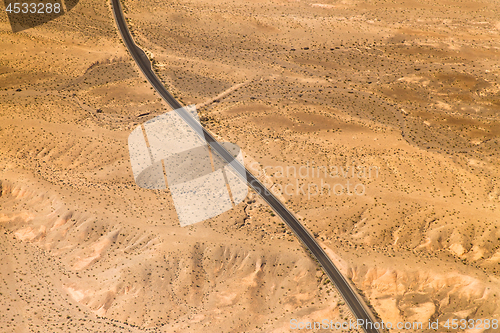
x=352 y=299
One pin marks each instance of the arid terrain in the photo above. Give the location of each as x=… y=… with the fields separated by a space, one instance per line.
x=400 y=97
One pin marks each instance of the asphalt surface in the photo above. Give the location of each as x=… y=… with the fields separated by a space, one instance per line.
x=350 y=296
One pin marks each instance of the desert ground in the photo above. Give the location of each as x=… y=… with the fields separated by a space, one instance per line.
x=400 y=97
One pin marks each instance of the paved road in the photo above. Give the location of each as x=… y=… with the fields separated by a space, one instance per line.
x=350 y=296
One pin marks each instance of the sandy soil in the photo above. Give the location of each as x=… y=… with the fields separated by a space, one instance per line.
x=408 y=90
